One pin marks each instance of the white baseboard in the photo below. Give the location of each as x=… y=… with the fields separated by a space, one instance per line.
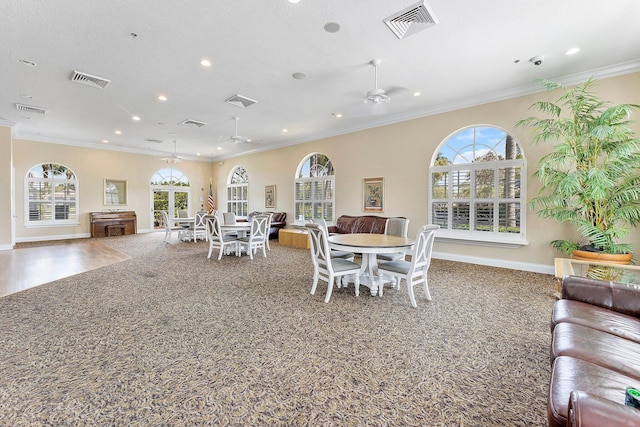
x=56 y=237
x=491 y=262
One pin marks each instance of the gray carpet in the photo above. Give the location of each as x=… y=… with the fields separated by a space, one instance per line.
x=169 y=338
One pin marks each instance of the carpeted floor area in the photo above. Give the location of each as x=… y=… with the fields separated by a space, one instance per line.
x=170 y=338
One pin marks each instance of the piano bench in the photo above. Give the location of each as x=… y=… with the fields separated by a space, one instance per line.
x=115 y=230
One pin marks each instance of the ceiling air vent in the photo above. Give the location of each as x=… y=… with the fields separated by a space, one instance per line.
x=30 y=109
x=89 y=80
x=240 y=101
x=411 y=20
x=157 y=141
x=193 y=122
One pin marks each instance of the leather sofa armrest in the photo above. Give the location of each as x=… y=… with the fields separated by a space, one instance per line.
x=588 y=410
x=620 y=297
x=332 y=229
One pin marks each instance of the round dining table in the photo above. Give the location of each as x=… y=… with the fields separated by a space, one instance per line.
x=369 y=245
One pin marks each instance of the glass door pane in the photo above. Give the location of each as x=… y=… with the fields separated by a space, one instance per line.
x=160 y=203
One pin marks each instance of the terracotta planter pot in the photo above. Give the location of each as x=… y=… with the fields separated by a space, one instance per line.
x=602 y=257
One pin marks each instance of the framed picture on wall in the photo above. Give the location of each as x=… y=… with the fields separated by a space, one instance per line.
x=270 y=196
x=115 y=192
x=373 y=194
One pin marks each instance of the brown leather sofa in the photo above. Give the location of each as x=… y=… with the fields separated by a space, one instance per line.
x=595 y=353
x=347 y=224
x=278 y=221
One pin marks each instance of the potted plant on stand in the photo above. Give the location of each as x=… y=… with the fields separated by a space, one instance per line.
x=591 y=178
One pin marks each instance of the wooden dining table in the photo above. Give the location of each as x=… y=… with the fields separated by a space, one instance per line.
x=369 y=245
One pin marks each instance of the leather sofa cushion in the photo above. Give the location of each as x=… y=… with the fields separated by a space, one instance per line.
x=621 y=297
x=595 y=317
x=588 y=410
x=361 y=224
x=597 y=347
x=569 y=374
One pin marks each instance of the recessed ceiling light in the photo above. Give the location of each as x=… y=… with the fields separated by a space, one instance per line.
x=219 y=148
x=205 y=63
x=299 y=75
x=572 y=51
x=284 y=131
x=416 y=94
x=118 y=132
x=338 y=115
x=29 y=63
x=106 y=141
x=135 y=118
x=332 y=27
x=294 y=1
x=162 y=98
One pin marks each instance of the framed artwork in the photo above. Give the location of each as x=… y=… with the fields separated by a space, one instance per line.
x=270 y=196
x=373 y=194
x=115 y=192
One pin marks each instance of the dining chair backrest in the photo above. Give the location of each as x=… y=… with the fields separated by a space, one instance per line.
x=229 y=217
x=421 y=257
x=216 y=238
x=257 y=236
x=397 y=227
x=167 y=225
x=320 y=221
x=319 y=245
x=199 y=226
x=214 y=231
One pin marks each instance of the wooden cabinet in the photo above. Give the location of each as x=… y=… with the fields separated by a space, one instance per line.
x=119 y=223
x=293 y=237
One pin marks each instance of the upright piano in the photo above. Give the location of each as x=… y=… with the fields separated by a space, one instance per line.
x=113 y=223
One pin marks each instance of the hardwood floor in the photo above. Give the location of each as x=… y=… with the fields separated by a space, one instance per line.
x=26 y=267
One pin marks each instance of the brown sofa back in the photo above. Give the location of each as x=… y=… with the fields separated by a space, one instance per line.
x=347 y=224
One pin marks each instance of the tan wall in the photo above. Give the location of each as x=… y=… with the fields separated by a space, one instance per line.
x=401 y=153
x=92 y=167
x=6 y=172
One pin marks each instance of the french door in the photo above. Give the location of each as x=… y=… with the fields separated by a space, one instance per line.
x=170 y=200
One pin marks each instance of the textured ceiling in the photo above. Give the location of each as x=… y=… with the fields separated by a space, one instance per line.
x=151 y=47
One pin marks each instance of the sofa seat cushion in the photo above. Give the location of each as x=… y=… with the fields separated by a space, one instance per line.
x=569 y=374
x=595 y=317
x=597 y=347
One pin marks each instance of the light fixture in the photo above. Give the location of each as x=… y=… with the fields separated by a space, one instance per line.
x=332 y=27
x=162 y=98
x=135 y=118
x=294 y=1
x=105 y=141
x=205 y=62
x=299 y=75
x=118 y=132
x=416 y=94
x=572 y=51
x=284 y=131
x=337 y=115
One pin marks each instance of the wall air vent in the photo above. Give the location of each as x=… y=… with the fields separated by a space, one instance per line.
x=30 y=109
x=89 y=80
x=240 y=101
x=411 y=20
x=192 y=122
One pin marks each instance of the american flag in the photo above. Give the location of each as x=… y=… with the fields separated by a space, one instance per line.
x=210 y=201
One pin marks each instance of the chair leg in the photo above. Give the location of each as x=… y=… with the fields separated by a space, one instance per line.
x=425 y=286
x=411 y=295
x=329 y=289
x=210 y=250
x=315 y=283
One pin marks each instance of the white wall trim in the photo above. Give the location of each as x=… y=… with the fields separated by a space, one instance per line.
x=490 y=262
x=56 y=237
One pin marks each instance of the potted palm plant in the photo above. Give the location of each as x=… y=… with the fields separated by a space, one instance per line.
x=591 y=178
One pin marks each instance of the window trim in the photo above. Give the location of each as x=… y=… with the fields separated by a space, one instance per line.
x=298 y=179
x=230 y=184
x=53 y=222
x=485 y=238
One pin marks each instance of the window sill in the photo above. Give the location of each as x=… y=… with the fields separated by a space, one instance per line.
x=463 y=239
x=52 y=224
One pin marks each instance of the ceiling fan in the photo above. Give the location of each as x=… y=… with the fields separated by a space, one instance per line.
x=377 y=95
x=235 y=138
x=174 y=157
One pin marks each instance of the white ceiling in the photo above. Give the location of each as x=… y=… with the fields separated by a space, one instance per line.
x=153 y=47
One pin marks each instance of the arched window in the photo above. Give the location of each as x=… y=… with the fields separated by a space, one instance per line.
x=477 y=186
x=314 y=189
x=238 y=192
x=171 y=191
x=51 y=195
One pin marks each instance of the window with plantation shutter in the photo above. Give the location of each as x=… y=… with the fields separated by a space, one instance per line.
x=51 y=196
x=314 y=190
x=476 y=187
x=238 y=192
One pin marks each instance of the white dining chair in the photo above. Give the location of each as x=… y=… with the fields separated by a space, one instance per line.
x=169 y=227
x=217 y=239
x=266 y=239
x=334 y=252
x=256 y=238
x=324 y=266
x=395 y=227
x=414 y=272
